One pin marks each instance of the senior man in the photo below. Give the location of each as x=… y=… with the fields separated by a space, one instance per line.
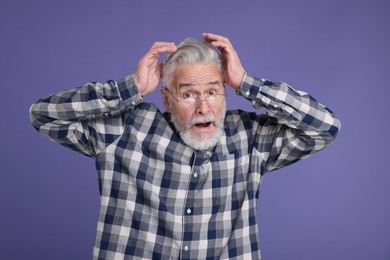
x=184 y=183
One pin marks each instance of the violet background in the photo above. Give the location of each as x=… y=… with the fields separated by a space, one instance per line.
x=334 y=205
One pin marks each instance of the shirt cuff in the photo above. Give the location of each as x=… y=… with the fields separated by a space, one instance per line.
x=128 y=90
x=250 y=86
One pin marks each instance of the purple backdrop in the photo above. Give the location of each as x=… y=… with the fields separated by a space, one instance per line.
x=334 y=205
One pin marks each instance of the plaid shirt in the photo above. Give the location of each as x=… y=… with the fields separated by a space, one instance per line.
x=160 y=199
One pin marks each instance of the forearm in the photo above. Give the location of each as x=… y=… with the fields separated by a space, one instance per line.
x=80 y=118
x=295 y=109
x=296 y=127
x=91 y=101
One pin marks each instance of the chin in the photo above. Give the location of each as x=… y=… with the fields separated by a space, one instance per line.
x=204 y=142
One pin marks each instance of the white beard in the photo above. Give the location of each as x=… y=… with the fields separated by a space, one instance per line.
x=204 y=143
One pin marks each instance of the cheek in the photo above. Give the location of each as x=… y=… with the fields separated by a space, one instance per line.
x=219 y=111
x=183 y=117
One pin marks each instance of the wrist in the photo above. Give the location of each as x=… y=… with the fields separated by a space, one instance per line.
x=139 y=86
x=236 y=86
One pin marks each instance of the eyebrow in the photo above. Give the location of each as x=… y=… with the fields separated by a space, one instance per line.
x=184 y=85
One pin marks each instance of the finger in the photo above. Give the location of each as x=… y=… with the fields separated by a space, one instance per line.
x=164 y=46
x=223 y=47
x=161 y=47
x=167 y=48
x=210 y=37
x=220 y=42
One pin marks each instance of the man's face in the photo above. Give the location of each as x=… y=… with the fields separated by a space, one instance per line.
x=200 y=123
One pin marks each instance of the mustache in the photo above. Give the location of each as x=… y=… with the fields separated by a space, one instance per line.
x=200 y=120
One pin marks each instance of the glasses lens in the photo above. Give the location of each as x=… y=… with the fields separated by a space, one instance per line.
x=216 y=99
x=189 y=101
x=192 y=101
x=212 y=100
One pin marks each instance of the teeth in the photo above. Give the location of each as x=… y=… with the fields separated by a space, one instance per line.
x=200 y=120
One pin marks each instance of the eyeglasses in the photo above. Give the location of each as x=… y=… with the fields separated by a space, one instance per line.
x=191 y=99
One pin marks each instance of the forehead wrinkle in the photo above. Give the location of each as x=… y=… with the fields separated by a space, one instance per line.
x=194 y=75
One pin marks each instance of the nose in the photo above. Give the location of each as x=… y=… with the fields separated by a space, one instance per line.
x=202 y=107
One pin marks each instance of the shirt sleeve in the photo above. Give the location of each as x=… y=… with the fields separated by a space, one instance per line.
x=296 y=124
x=88 y=118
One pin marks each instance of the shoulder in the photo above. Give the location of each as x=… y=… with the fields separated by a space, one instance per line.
x=239 y=122
x=237 y=117
x=143 y=114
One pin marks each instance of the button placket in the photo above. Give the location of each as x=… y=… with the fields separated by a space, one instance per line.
x=189 y=210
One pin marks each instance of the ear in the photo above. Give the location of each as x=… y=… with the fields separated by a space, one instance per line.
x=165 y=99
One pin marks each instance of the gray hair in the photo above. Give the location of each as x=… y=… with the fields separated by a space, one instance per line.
x=190 y=51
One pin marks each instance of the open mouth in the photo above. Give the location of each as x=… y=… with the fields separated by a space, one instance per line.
x=203 y=125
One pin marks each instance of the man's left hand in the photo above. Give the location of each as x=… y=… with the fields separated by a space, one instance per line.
x=234 y=72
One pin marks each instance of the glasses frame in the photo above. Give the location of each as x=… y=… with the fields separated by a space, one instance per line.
x=198 y=100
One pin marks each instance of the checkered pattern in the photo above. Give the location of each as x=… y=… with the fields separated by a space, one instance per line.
x=160 y=199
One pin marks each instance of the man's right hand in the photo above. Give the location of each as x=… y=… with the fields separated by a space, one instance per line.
x=148 y=73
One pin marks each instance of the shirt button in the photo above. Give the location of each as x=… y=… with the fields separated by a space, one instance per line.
x=247 y=93
x=189 y=211
x=105 y=114
x=195 y=174
x=186 y=248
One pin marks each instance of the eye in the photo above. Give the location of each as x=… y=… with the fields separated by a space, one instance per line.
x=189 y=95
x=212 y=92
